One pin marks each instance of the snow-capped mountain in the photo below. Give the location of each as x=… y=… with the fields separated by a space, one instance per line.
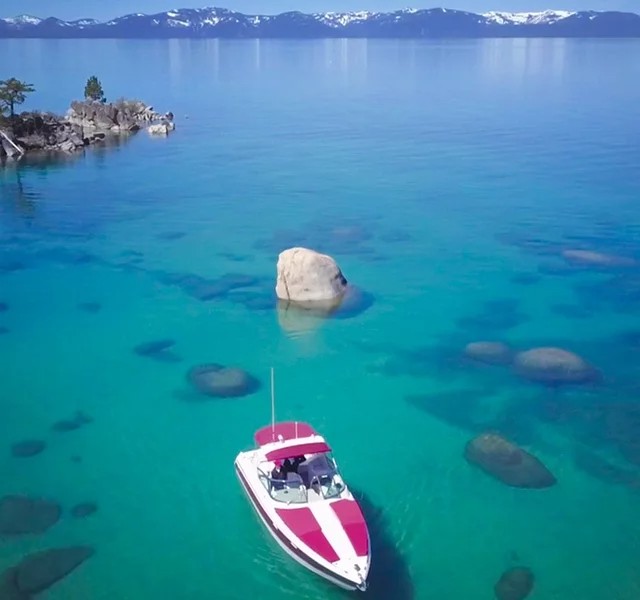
x=408 y=23
x=546 y=17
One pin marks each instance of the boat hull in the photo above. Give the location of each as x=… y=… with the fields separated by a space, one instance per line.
x=286 y=544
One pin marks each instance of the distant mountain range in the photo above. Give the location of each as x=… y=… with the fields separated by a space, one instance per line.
x=408 y=23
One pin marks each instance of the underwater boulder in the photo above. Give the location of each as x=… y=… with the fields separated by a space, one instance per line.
x=170 y=236
x=90 y=307
x=77 y=421
x=491 y=353
x=9 y=586
x=4 y=307
x=524 y=279
x=598 y=260
x=515 y=584
x=508 y=463
x=84 y=509
x=39 y=571
x=158 y=350
x=20 y=515
x=219 y=381
x=27 y=448
x=553 y=366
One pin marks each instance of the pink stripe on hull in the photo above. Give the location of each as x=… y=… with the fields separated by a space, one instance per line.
x=305 y=526
x=353 y=523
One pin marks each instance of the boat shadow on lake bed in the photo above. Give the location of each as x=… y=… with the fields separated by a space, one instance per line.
x=390 y=575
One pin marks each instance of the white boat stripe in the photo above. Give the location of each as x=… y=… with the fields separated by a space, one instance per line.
x=333 y=529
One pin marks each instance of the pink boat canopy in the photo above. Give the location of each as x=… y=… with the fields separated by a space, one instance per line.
x=297 y=450
x=289 y=430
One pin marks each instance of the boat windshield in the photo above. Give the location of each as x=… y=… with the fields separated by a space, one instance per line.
x=304 y=479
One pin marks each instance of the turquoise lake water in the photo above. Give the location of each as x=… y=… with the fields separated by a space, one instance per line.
x=445 y=178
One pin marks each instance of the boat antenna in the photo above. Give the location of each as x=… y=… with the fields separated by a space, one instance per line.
x=273 y=407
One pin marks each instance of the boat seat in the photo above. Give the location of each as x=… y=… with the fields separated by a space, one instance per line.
x=293 y=479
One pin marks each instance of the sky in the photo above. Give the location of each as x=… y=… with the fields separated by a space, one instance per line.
x=75 y=9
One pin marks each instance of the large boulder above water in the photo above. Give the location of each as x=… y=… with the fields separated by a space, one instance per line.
x=306 y=276
x=515 y=584
x=508 y=463
x=553 y=366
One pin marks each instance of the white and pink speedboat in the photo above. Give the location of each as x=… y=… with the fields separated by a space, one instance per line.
x=294 y=484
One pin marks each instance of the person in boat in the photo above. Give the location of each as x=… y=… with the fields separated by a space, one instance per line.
x=278 y=475
x=291 y=464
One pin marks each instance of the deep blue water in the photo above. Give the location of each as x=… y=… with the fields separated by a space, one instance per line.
x=446 y=178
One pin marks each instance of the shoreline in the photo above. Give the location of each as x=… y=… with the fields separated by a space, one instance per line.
x=86 y=123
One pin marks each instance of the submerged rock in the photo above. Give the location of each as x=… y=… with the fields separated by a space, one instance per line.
x=78 y=420
x=507 y=462
x=170 y=236
x=157 y=349
x=492 y=353
x=223 y=382
x=525 y=279
x=4 y=307
x=304 y=275
x=553 y=366
x=84 y=509
x=515 y=584
x=496 y=315
x=4 y=330
x=254 y=300
x=27 y=448
x=90 y=307
x=39 y=571
x=21 y=515
x=9 y=586
x=589 y=258
x=354 y=302
x=207 y=289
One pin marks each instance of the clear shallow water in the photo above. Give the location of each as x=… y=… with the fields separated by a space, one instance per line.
x=437 y=174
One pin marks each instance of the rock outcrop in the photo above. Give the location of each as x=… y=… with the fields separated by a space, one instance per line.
x=31 y=132
x=306 y=276
x=123 y=116
x=507 y=462
x=553 y=366
x=85 y=123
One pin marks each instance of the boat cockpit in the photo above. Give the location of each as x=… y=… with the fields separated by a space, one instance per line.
x=302 y=479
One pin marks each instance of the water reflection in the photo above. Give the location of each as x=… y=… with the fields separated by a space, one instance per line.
x=21 y=192
x=17 y=197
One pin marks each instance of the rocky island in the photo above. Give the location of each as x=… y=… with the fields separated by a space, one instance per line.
x=87 y=122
